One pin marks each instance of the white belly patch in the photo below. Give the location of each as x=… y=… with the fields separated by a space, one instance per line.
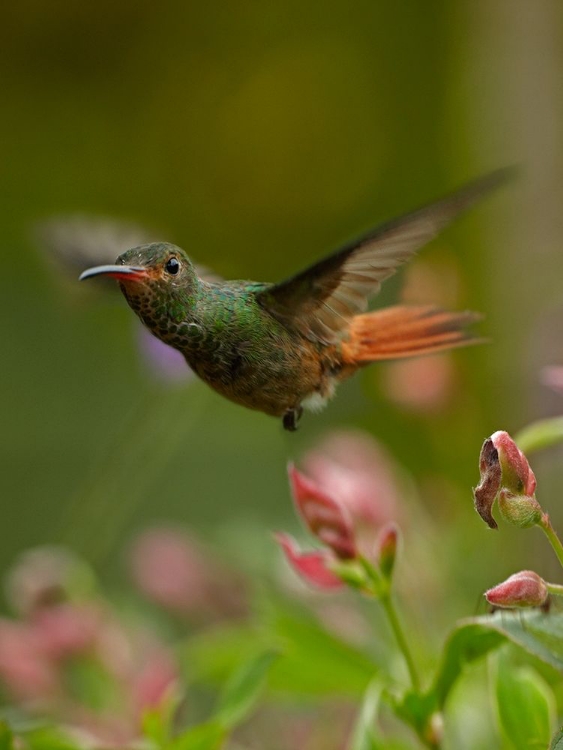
x=317 y=401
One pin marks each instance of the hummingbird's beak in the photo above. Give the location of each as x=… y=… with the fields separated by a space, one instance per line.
x=126 y=273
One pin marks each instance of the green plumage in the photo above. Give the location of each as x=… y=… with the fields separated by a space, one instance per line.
x=227 y=336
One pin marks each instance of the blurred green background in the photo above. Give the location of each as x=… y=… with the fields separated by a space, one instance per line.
x=259 y=136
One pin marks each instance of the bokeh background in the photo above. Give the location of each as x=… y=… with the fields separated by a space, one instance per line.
x=259 y=136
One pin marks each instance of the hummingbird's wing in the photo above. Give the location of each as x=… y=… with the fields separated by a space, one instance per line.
x=79 y=241
x=320 y=301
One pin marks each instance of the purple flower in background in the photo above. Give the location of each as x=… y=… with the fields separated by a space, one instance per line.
x=162 y=361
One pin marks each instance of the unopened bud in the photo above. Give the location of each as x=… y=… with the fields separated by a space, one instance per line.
x=523 y=589
x=386 y=548
x=519 y=510
x=506 y=476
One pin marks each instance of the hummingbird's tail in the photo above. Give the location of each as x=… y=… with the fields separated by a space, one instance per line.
x=405 y=331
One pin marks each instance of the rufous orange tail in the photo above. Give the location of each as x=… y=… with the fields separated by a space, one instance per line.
x=404 y=331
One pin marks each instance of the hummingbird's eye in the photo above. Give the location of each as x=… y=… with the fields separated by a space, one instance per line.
x=172 y=266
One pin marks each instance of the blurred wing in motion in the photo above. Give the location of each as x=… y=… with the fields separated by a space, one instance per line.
x=79 y=241
x=320 y=301
x=76 y=242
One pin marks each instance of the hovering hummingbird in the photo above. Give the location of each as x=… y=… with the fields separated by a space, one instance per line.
x=280 y=348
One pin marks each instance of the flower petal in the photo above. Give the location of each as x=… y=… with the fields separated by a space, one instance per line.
x=310 y=566
x=325 y=517
x=517 y=475
x=487 y=490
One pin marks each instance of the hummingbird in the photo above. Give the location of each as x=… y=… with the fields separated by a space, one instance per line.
x=283 y=347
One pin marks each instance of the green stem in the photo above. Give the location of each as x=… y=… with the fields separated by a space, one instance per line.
x=554 y=540
x=554 y=588
x=393 y=618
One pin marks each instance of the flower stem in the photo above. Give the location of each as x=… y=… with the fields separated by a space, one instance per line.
x=554 y=588
x=550 y=533
x=393 y=618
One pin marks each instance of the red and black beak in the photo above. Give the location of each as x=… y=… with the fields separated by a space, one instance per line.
x=122 y=273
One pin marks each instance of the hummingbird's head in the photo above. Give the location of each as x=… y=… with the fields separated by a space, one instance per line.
x=158 y=280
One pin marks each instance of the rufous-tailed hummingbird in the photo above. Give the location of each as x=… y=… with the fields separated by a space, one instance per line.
x=283 y=347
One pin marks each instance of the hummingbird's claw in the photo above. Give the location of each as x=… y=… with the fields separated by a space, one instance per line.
x=291 y=418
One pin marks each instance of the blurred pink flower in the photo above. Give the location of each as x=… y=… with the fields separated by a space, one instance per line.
x=178 y=573
x=421 y=385
x=68 y=629
x=26 y=669
x=56 y=634
x=552 y=376
x=352 y=467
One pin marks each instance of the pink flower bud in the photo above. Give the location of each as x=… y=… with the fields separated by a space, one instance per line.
x=310 y=566
x=386 y=548
x=523 y=589
x=506 y=475
x=517 y=475
x=326 y=518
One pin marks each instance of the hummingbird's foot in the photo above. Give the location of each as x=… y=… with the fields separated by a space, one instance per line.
x=291 y=418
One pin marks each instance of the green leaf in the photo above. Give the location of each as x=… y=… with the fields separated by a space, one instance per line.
x=470 y=641
x=208 y=736
x=364 y=736
x=537 y=633
x=243 y=690
x=524 y=705
x=541 y=434
x=157 y=721
x=6 y=737
x=316 y=662
x=557 y=740
x=312 y=660
x=48 y=738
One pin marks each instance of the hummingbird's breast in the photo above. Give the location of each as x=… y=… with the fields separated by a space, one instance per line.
x=248 y=356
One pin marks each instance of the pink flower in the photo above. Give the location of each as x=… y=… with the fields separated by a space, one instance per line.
x=313 y=567
x=523 y=589
x=354 y=468
x=349 y=493
x=327 y=519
